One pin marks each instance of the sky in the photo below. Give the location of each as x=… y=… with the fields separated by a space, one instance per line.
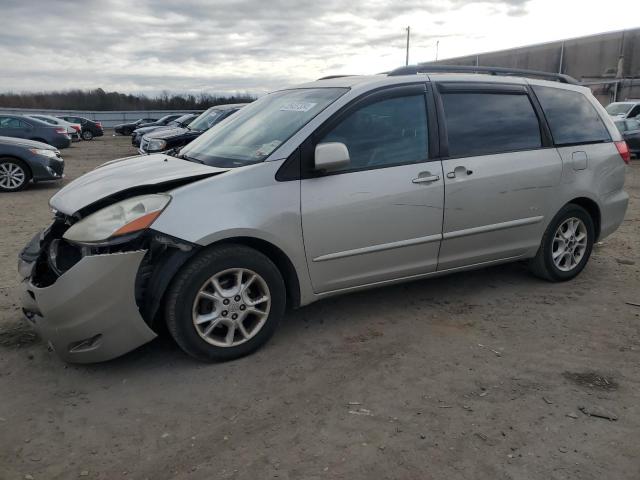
x=255 y=46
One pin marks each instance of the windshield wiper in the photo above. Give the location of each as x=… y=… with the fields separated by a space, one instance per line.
x=190 y=159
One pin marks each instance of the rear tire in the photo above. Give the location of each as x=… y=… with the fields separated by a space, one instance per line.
x=210 y=309
x=566 y=245
x=14 y=175
x=87 y=135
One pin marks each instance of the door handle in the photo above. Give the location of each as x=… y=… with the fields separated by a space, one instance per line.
x=459 y=171
x=426 y=179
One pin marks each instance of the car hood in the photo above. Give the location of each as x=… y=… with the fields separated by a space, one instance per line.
x=171 y=132
x=143 y=130
x=128 y=176
x=25 y=143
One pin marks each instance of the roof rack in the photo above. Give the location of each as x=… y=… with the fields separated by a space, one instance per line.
x=421 y=68
x=329 y=77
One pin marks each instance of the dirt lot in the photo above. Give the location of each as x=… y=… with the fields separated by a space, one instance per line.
x=481 y=375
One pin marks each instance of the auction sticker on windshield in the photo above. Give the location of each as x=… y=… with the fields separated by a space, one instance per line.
x=297 y=107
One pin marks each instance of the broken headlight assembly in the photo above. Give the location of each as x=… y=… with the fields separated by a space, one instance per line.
x=118 y=222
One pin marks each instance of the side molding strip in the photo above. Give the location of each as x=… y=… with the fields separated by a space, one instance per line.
x=379 y=248
x=493 y=227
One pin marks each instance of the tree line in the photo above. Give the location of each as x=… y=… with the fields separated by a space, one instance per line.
x=98 y=99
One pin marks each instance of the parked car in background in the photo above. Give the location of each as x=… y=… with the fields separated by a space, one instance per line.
x=626 y=109
x=73 y=129
x=90 y=128
x=181 y=122
x=23 y=160
x=318 y=190
x=19 y=126
x=630 y=130
x=161 y=122
x=129 y=127
x=169 y=138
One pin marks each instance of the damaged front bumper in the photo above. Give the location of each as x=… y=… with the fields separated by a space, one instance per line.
x=89 y=312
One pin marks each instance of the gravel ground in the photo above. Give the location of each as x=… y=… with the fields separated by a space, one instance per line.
x=484 y=375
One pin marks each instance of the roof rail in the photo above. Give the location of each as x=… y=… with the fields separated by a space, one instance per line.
x=518 y=72
x=329 y=77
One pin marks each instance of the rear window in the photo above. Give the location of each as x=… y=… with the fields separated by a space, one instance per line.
x=572 y=118
x=485 y=123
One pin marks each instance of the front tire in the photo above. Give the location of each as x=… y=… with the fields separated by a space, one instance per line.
x=14 y=175
x=566 y=245
x=225 y=303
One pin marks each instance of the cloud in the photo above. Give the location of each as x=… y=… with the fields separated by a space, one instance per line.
x=224 y=46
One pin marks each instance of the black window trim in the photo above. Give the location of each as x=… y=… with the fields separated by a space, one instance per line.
x=299 y=165
x=494 y=88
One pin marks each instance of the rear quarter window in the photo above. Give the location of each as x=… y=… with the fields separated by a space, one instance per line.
x=571 y=117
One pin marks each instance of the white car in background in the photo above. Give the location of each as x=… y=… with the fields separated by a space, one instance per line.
x=73 y=129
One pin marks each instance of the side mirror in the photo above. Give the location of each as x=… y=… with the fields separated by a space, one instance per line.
x=330 y=156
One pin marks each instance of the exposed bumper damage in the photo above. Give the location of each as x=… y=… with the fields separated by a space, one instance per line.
x=89 y=314
x=92 y=304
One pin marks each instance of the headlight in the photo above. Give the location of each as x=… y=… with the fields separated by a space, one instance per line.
x=156 y=144
x=125 y=217
x=45 y=152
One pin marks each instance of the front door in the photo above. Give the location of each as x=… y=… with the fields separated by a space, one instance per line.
x=500 y=181
x=380 y=217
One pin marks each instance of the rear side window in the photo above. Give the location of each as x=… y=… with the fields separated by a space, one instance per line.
x=572 y=118
x=485 y=123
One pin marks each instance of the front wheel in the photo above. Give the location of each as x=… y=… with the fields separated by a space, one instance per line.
x=225 y=303
x=14 y=175
x=566 y=245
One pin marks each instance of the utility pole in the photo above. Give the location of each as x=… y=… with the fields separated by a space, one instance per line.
x=408 y=35
x=437 y=48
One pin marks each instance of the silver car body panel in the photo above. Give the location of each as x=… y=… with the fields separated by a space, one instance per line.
x=90 y=314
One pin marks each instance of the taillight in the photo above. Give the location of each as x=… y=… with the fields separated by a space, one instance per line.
x=98 y=124
x=61 y=130
x=623 y=150
x=76 y=128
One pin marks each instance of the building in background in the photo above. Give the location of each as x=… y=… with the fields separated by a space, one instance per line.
x=609 y=63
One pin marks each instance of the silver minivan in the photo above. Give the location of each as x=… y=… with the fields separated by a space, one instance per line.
x=333 y=186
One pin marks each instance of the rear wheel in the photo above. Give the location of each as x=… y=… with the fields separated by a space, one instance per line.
x=14 y=175
x=225 y=303
x=566 y=246
x=87 y=135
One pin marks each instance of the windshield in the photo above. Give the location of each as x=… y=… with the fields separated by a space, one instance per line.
x=205 y=121
x=619 y=108
x=46 y=119
x=250 y=135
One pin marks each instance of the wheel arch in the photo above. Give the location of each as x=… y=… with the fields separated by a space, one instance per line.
x=593 y=209
x=153 y=280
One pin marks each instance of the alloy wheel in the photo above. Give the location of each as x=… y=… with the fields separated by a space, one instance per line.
x=569 y=244
x=12 y=176
x=231 y=307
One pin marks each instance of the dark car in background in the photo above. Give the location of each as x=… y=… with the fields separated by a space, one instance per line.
x=129 y=127
x=630 y=130
x=24 y=160
x=182 y=121
x=170 y=138
x=18 y=126
x=90 y=128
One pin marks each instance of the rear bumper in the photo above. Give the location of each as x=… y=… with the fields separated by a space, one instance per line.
x=61 y=142
x=89 y=314
x=614 y=208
